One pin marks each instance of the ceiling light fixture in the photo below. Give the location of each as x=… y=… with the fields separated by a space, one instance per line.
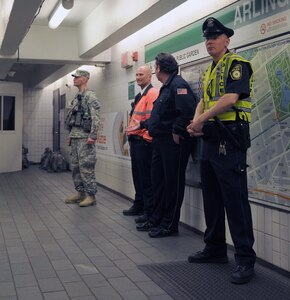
x=59 y=13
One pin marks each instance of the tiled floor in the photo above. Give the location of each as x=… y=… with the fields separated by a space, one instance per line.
x=50 y=250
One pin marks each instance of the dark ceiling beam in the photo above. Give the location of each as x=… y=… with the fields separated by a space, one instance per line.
x=21 y=17
x=5 y=68
x=59 y=72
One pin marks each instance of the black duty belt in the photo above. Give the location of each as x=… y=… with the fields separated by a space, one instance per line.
x=228 y=122
x=134 y=137
x=237 y=132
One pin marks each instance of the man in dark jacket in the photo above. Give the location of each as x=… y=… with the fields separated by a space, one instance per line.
x=171 y=114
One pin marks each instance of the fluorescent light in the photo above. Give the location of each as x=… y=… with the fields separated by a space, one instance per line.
x=58 y=15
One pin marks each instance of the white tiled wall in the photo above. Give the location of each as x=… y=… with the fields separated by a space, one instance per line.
x=37 y=122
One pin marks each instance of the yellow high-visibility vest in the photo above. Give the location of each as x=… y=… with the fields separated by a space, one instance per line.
x=214 y=82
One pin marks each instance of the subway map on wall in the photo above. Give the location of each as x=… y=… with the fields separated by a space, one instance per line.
x=269 y=155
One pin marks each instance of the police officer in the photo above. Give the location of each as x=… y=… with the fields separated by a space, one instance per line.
x=172 y=145
x=83 y=122
x=141 y=147
x=222 y=118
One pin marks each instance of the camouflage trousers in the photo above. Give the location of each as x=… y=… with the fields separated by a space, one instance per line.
x=83 y=161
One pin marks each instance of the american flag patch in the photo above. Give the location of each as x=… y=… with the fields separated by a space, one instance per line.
x=181 y=91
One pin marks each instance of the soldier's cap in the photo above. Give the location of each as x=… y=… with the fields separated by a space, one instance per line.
x=79 y=73
x=212 y=27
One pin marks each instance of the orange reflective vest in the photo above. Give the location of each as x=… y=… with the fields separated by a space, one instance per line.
x=142 y=112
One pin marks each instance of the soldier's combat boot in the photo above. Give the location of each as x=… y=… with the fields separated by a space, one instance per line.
x=75 y=198
x=88 y=201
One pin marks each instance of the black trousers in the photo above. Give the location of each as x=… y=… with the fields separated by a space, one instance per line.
x=141 y=156
x=169 y=162
x=224 y=188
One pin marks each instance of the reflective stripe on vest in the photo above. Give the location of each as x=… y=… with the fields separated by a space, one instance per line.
x=214 y=87
x=141 y=113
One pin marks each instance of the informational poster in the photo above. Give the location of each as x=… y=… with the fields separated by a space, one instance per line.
x=269 y=155
x=112 y=139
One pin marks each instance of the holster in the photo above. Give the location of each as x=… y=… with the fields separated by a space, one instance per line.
x=236 y=132
x=211 y=132
x=240 y=130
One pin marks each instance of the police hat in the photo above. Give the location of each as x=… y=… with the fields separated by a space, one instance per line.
x=80 y=73
x=212 y=26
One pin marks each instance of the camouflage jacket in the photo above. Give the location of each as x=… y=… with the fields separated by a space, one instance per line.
x=91 y=104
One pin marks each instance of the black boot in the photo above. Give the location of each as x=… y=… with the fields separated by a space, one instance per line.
x=145 y=226
x=142 y=219
x=206 y=256
x=133 y=211
x=242 y=274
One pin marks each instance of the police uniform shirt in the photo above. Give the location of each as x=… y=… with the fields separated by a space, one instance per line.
x=238 y=79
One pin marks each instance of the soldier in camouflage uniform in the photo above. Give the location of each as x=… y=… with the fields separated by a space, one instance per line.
x=83 y=122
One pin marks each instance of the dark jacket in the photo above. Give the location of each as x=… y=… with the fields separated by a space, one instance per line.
x=173 y=109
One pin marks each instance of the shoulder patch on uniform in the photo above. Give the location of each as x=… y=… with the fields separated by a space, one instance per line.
x=182 y=91
x=236 y=72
